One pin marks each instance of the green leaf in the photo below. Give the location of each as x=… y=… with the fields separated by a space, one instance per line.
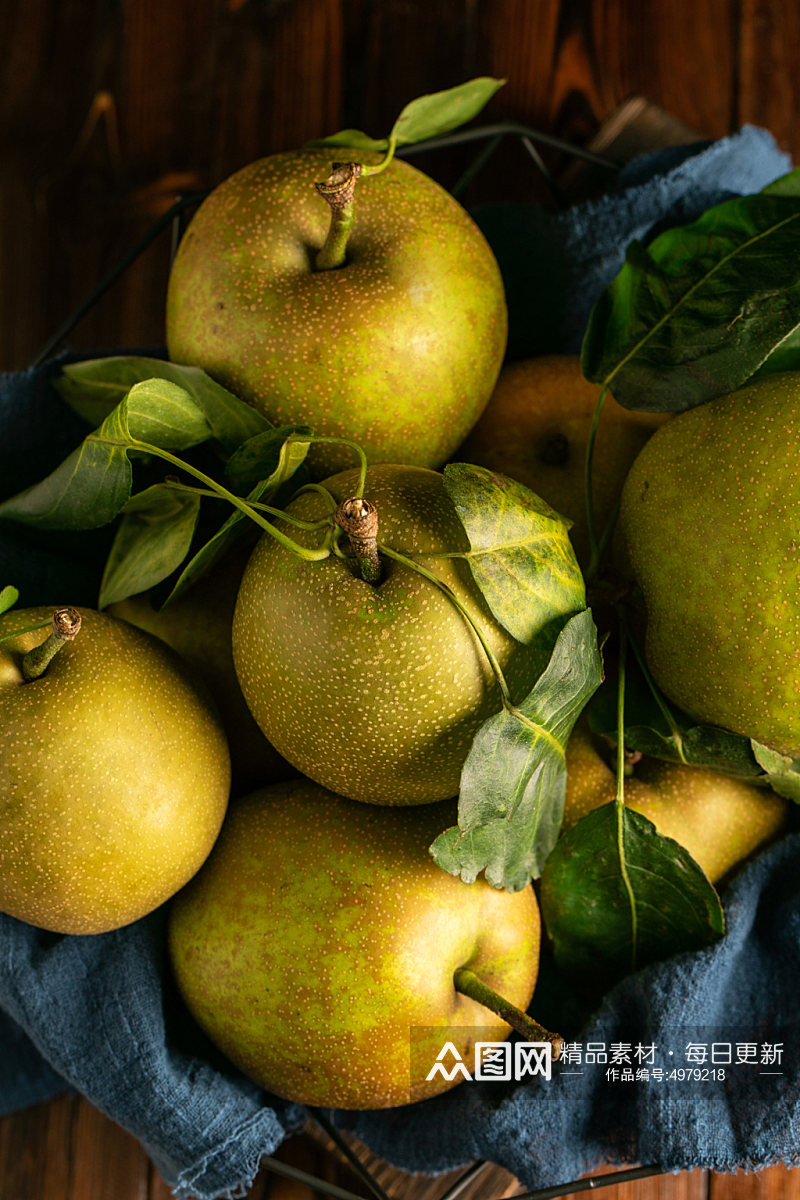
x=695 y=314
x=276 y=451
x=94 y=387
x=426 y=117
x=228 y=535
x=785 y=356
x=520 y=554
x=782 y=771
x=161 y=413
x=787 y=185
x=273 y=456
x=512 y=786
x=153 y=539
x=87 y=490
x=93 y=484
x=680 y=740
x=435 y=114
x=352 y=139
x=8 y=598
x=600 y=924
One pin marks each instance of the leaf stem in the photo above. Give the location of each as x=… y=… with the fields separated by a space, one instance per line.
x=595 y=547
x=9 y=637
x=321 y=491
x=469 y=984
x=619 y=800
x=310 y=526
x=66 y=625
x=245 y=506
x=665 y=710
x=497 y=670
x=387 y=158
x=362 y=458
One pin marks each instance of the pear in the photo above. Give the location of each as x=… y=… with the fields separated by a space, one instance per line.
x=376 y=692
x=536 y=428
x=709 y=515
x=114 y=775
x=198 y=626
x=398 y=348
x=720 y=820
x=318 y=946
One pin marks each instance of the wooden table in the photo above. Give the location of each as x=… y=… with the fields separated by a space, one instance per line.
x=67 y=1150
x=107 y=111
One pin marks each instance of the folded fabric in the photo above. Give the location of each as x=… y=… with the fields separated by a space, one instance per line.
x=740 y=993
x=99 y=1014
x=555 y=266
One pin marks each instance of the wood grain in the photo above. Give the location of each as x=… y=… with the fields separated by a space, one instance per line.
x=110 y=110
x=67 y=1150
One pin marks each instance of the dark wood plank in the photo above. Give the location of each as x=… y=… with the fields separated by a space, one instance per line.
x=570 y=65
x=688 y=1185
x=106 y=1160
x=67 y=1150
x=767 y=93
x=49 y=72
x=36 y=1151
x=681 y=56
x=774 y=1183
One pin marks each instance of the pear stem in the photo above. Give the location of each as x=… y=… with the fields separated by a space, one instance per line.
x=359 y=520
x=65 y=628
x=468 y=983
x=338 y=190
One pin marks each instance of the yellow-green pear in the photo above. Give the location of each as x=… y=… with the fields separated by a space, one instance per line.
x=318 y=946
x=536 y=427
x=377 y=691
x=198 y=627
x=397 y=347
x=710 y=517
x=718 y=819
x=114 y=773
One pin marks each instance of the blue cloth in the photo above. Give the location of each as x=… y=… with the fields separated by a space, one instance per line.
x=100 y=1015
x=555 y=267
x=742 y=990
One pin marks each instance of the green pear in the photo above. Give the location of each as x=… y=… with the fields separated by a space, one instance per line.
x=198 y=627
x=375 y=692
x=397 y=349
x=718 y=819
x=709 y=515
x=536 y=428
x=114 y=775
x=317 y=948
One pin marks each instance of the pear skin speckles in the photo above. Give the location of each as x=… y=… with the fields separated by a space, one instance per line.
x=321 y=933
x=399 y=349
x=710 y=516
x=374 y=692
x=114 y=777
